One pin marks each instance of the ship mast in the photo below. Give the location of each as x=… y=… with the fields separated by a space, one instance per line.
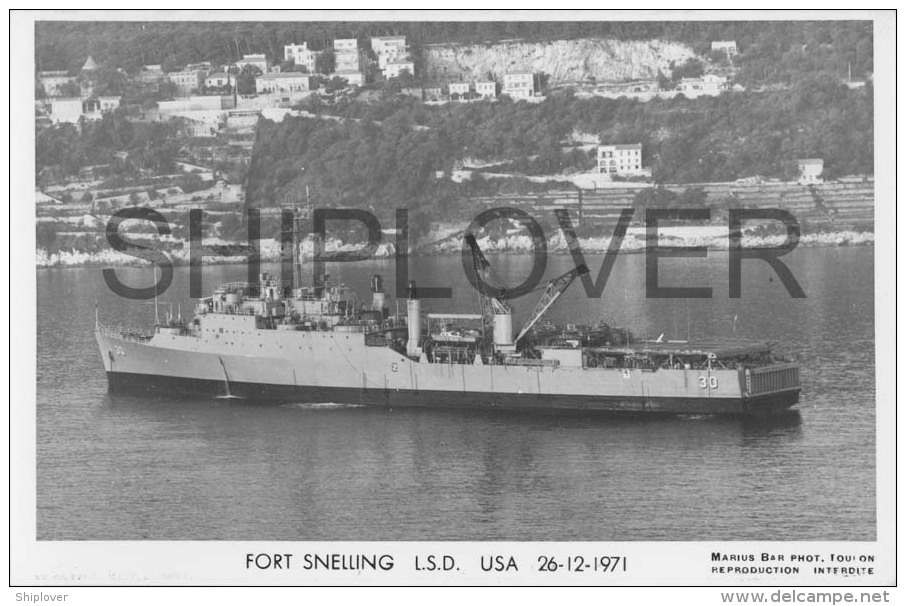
x=301 y=227
x=156 y=316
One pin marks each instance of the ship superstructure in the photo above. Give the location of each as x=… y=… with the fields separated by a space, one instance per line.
x=316 y=343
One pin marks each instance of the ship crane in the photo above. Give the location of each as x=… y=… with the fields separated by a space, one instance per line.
x=499 y=314
x=490 y=305
x=555 y=288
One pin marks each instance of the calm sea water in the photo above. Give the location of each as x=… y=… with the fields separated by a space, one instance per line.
x=117 y=467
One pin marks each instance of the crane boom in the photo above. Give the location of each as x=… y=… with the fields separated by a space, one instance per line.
x=555 y=288
x=481 y=263
x=490 y=305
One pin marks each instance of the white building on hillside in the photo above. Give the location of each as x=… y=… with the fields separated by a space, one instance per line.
x=708 y=84
x=51 y=81
x=459 y=90
x=66 y=109
x=287 y=82
x=486 y=89
x=810 y=170
x=395 y=68
x=217 y=80
x=301 y=55
x=727 y=46
x=256 y=60
x=353 y=77
x=198 y=128
x=108 y=103
x=150 y=73
x=206 y=103
x=519 y=85
x=346 y=52
x=187 y=81
x=389 y=48
x=622 y=160
x=346 y=45
x=202 y=66
x=434 y=93
x=388 y=45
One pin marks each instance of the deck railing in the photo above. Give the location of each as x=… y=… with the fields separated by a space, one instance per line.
x=125 y=333
x=236 y=310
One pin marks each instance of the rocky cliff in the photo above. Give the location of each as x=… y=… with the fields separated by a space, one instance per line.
x=563 y=60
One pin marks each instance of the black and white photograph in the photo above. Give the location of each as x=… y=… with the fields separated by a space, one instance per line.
x=453 y=298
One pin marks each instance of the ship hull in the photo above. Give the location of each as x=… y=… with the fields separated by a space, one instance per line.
x=184 y=387
x=289 y=366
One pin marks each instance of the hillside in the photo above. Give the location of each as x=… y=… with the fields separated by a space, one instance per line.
x=771 y=52
x=562 y=60
x=391 y=156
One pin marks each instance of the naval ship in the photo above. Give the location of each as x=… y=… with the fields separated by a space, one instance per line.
x=266 y=342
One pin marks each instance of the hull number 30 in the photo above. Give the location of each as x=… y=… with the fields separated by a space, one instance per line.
x=705 y=382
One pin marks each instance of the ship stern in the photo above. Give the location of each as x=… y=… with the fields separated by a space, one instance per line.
x=769 y=389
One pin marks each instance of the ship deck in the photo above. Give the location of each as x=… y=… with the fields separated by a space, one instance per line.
x=718 y=348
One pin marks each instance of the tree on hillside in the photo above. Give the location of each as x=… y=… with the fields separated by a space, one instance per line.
x=169 y=64
x=543 y=81
x=656 y=197
x=385 y=158
x=69 y=89
x=108 y=81
x=663 y=82
x=334 y=84
x=692 y=68
x=45 y=236
x=326 y=62
x=373 y=72
x=166 y=90
x=692 y=197
x=245 y=82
